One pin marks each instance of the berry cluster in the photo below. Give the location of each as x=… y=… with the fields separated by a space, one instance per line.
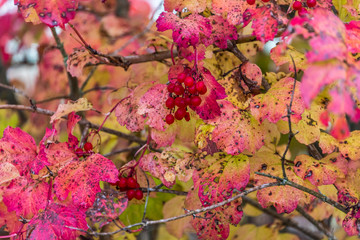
x=86 y=150
x=183 y=93
x=298 y=6
x=131 y=186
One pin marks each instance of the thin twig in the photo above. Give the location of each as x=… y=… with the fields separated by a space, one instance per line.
x=315 y=223
x=52 y=99
x=188 y=213
x=160 y=190
x=286 y=221
x=231 y=47
x=130 y=149
x=88 y=78
x=98 y=89
x=147 y=194
x=320 y=196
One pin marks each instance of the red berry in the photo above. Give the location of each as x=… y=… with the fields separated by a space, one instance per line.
x=180 y=113
x=250 y=2
x=192 y=89
x=302 y=12
x=79 y=152
x=122 y=183
x=189 y=81
x=181 y=77
x=130 y=194
x=179 y=90
x=187 y=116
x=115 y=184
x=170 y=103
x=171 y=87
x=137 y=185
x=139 y=194
x=265 y=0
x=188 y=101
x=195 y=101
x=131 y=182
x=88 y=146
x=180 y=102
x=201 y=88
x=297 y=5
x=311 y=3
x=169 y=119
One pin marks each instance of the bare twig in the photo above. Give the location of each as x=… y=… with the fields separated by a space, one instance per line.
x=98 y=89
x=286 y=221
x=160 y=190
x=130 y=149
x=88 y=78
x=236 y=51
x=188 y=213
x=147 y=195
x=315 y=223
x=52 y=99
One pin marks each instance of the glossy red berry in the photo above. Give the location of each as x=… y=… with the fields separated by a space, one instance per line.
x=189 y=81
x=195 y=101
x=88 y=146
x=250 y=2
x=180 y=102
x=302 y=12
x=171 y=87
x=131 y=182
x=181 y=77
x=130 y=194
x=187 y=101
x=187 y=116
x=180 y=113
x=311 y=3
x=201 y=88
x=137 y=185
x=297 y=5
x=192 y=89
x=170 y=103
x=115 y=184
x=179 y=90
x=122 y=183
x=139 y=194
x=169 y=119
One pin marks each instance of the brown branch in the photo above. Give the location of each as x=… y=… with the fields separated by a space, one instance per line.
x=236 y=51
x=82 y=122
x=187 y=214
x=130 y=149
x=286 y=221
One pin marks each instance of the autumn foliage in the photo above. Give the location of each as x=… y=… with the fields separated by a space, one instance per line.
x=189 y=119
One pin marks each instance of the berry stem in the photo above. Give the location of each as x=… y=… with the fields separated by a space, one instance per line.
x=172 y=53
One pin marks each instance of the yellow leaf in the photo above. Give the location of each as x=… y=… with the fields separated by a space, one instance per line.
x=82 y=104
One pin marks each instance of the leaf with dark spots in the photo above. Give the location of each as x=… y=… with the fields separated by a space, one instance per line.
x=52 y=13
x=236 y=131
x=350 y=147
x=81 y=179
x=108 y=206
x=31 y=196
x=54 y=223
x=318 y=172
x=221 y=31
x=78 y=60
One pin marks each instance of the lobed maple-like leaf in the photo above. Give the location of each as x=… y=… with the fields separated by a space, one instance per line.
x=108 y=206
x=236 y=130
x=82 y=178
x=188 y=31
x=218 y=181
x=221 y=31
x=25 y=196
x=209 y=107
x=54 y=223
x=52 y=13
x=273 y=104
x=318 y=172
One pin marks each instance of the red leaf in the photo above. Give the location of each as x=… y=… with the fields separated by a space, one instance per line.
x=221 y=31
x=187 y=32
x=53 y=223
x=325 y=47
x=82 y=178
x=19 y=148
x=217 y=182
x=351 y=224
x=108 y=206
x=25 y=196
x=9 y=219
x=353 y=36
x=52 y=13
x=273 y=104
x=340 y=130
x=236 y=130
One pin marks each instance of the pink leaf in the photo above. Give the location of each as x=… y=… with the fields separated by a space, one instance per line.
x=221 y=32
x=82 y=178
x=233 y=8
x=55 y=221
x=186 y=32
x=325 y=47
x=353 y=36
